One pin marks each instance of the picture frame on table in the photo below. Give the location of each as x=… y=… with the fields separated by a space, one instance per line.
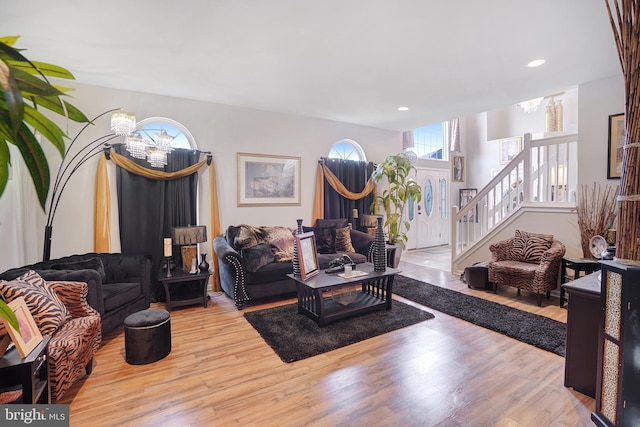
x=509 y=148
x=457 y=168
x=29 y=336
x=465 y=195
x=307 y=254
x=268 y=180
x=616 y=145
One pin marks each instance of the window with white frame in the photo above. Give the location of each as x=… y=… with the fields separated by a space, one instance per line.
x=347 y=149
x=429 y=142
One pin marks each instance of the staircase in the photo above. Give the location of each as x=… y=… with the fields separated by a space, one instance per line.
x=541 y=179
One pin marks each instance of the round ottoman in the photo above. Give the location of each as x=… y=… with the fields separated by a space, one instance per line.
x=147 y=336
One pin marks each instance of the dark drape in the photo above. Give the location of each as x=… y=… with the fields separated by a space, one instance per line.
x=354 y=175
x=148 y=209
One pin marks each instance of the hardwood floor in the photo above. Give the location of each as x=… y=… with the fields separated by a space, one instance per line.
x=442 y=372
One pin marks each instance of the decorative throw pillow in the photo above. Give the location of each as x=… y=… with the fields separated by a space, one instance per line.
x=343 y=240
x=325 y=239
x=530 y=247
x=257 y=256
x=44 y=305
x=94 y=263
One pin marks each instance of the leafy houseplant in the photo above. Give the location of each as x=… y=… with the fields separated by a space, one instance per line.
x=401 y=188
x=24 y=89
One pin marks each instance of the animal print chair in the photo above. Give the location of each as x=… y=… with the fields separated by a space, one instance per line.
x=59 y=309
x=527 y=261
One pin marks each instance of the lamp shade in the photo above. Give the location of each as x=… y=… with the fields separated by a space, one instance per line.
x=189 y=235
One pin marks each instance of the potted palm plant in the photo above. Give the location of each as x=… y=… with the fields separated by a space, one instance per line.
x=24 y=89
x=401 y=188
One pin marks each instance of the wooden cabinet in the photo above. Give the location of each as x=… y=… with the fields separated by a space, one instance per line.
x=32 y=373
x=618 y=381
x=583 y=319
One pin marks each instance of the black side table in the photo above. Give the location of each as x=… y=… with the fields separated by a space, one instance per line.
x=179 y=289
x=32 y=373
x=578 y=265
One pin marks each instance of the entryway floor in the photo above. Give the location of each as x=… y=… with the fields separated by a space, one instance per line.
x=438 y=257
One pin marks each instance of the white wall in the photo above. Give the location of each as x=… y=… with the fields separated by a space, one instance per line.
x=224 y=130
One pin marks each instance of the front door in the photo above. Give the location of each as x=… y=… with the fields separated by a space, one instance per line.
x=430 y=218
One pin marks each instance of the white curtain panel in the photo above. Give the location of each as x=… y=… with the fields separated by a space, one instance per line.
x=452 y=135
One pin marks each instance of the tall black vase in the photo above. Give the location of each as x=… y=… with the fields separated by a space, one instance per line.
x=379 y=250
x=296 y=258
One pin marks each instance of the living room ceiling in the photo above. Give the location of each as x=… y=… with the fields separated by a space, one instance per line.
x=353 y=61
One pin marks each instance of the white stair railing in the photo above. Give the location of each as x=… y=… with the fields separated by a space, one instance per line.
x=543 y=173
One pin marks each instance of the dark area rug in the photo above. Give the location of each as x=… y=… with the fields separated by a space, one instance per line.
x=540 y=331
x=294 y=336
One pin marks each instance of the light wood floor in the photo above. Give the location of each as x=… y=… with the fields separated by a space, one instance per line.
x=442 y=372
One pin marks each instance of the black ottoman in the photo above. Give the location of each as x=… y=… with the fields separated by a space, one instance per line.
x=147 y=336
x=477 y=276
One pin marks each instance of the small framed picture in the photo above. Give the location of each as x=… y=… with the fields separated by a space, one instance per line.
x=616 y=145
x=29 y=336
x=307 y=255
x=466 y=194
x=509 y=149
x=457 y=168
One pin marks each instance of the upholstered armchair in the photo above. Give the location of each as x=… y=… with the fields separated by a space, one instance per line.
x=60 y=309
x=527 y=261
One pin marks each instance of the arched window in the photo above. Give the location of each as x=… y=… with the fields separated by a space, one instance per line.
x=152 y=127
x=347 y=149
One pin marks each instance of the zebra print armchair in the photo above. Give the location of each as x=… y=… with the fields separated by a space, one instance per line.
x=527 y=261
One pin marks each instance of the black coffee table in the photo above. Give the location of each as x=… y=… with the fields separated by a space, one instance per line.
x=374 y=293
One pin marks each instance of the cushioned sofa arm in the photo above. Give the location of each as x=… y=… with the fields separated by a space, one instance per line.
x=74 y=296
x=362 y=242
x=232 y=274
x=501 y=250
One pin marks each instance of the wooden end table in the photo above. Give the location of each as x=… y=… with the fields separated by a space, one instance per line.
x=375 y=291
x=578 y=265
x=32 y=373
x=182 y=295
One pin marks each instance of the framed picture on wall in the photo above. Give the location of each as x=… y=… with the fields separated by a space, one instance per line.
x=616 y=145
x=457 y=168
x=265 y=180
x=509 y=149
x=466 y=194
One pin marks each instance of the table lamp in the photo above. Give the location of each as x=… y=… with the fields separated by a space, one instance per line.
x=187 y=238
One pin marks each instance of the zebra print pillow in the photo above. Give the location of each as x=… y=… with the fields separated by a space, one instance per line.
x=530 y=247
x=44 y=305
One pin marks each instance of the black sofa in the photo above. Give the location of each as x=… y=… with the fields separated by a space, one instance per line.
x=244 y=285
x=119 y=284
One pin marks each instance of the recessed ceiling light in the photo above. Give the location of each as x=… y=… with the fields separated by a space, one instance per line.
x=536 y=63
x=403 y=108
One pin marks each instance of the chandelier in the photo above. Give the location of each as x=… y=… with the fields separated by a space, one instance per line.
x=531 y=105
x=154 y=149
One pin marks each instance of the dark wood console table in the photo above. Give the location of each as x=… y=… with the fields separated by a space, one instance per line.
x=583 y=319
x=375 y=291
